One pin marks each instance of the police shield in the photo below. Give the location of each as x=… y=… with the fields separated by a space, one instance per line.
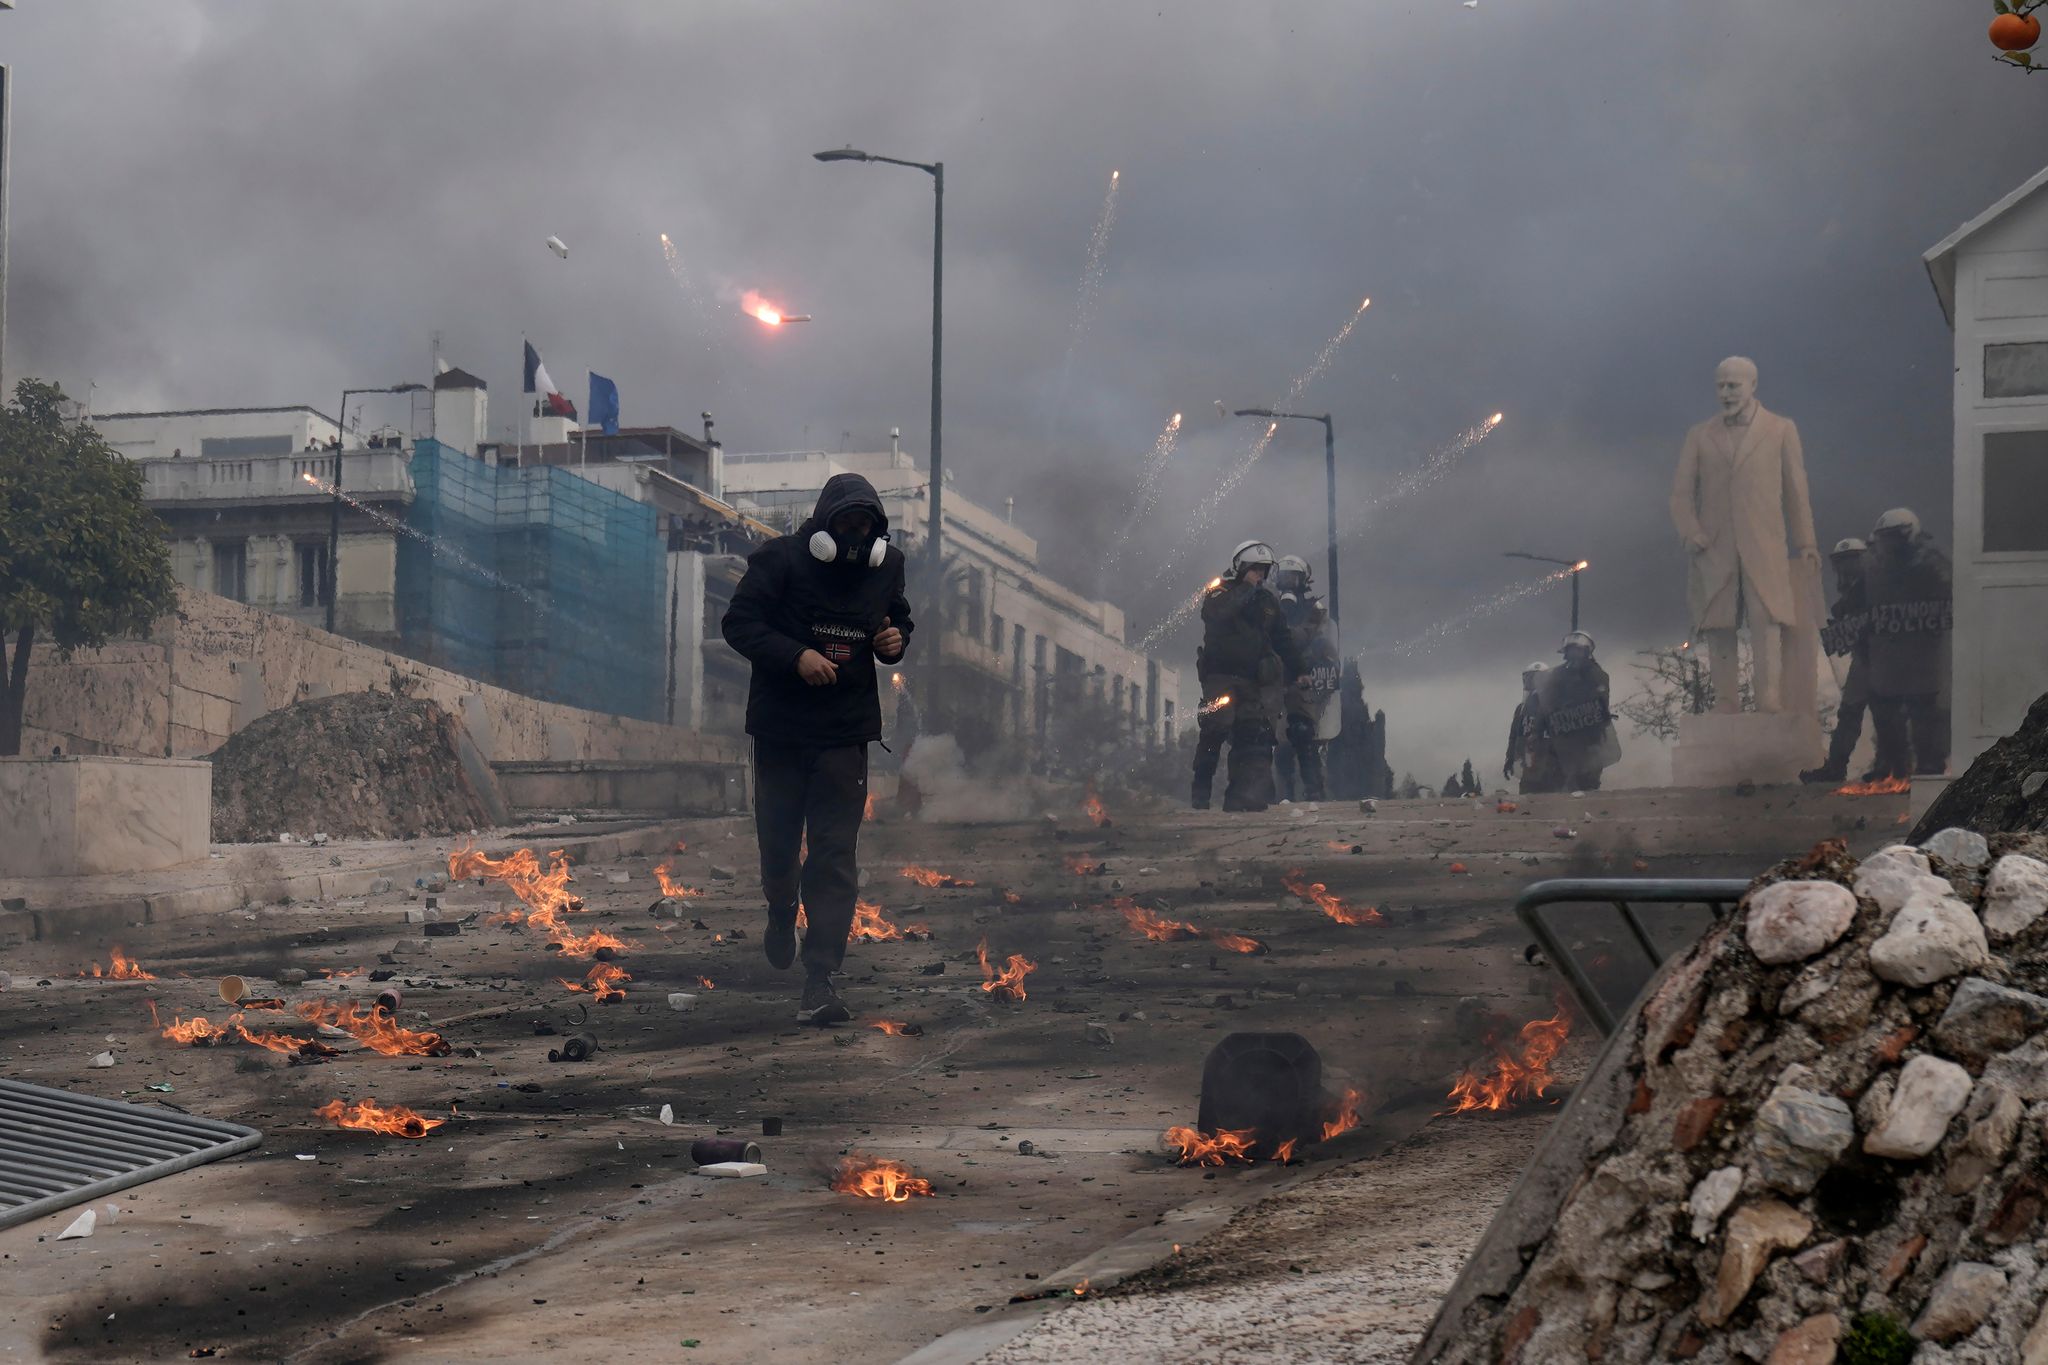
x=1317 y=689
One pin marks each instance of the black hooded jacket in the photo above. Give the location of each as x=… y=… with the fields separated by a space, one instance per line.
x=789 y=601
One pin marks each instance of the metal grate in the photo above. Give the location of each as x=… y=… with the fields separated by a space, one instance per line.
x=1607 y=953
x=58 y=1149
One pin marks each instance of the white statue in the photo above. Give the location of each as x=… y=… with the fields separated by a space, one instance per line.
x=1739 y=498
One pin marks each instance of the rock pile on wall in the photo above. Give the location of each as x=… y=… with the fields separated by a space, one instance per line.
x=1827 y=1138
x=362 y=765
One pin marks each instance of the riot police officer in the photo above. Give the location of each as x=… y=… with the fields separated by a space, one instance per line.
x=1247 y=653
x=1911 y=604
x=1309 y=695
x=1528 y=747
x=1847 y=633
x=1577 y=720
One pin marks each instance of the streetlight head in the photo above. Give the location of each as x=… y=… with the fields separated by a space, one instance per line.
x=842 y=154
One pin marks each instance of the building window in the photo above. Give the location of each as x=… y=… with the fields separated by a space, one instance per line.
x=2015 y=491
x=1167 y=720
x=312 y=575
x=996 y=635
x=2015 y=369
x=233 y=447
x=1116 y=692
x=231 y=570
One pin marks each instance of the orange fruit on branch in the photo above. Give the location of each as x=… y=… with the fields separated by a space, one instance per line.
x=2015 y=32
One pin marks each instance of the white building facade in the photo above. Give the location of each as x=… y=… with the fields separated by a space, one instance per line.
x=1991 y=276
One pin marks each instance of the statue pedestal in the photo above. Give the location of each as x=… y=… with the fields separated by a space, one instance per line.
x=1720 y=750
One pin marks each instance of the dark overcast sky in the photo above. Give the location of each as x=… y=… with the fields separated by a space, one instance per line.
x=1566 y=210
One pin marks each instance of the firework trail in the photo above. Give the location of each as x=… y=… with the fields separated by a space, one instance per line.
x=1093 y=267
x=1205 y=512
x=1175 y=617
x=1435 y=467
x=1453 y=625
x=1148 y=486
x=681 y=275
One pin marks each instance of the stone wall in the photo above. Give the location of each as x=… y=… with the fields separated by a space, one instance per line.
x=216 y=665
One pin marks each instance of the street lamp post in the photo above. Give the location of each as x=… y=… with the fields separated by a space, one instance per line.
x=1330 y=474
x=1577 y=566
x=334 y=514
x=937 y=171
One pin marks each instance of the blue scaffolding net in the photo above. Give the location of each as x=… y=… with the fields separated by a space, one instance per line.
x=536 y=580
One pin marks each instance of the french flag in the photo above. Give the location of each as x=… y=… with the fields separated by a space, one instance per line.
x=538 y=381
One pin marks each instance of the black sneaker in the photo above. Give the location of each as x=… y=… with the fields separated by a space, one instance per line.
x=821 y=1004
x=779 y=942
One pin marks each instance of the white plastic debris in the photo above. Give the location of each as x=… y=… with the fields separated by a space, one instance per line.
x=668 y=1115
x=305 y=1156
x=733 y=1170
x=681 y=1001
x=558 y=246
x=81 y=1226
x=102 y=1059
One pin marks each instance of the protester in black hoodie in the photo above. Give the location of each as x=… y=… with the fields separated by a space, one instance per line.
x=813 y=614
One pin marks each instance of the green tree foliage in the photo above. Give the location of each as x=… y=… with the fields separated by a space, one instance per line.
x=82 y=558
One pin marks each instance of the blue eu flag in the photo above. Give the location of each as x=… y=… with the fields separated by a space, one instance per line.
x=604 y=403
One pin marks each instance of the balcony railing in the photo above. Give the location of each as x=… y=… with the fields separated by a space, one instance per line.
x=363 y=473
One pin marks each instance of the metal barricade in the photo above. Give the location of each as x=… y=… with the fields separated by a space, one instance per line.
x=1608 y=957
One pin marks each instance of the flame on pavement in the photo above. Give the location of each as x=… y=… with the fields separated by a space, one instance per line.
x=878 y=1178
x=604 y=981
x=932 y=877
x=371 y=1117
x=1196 y=1148
x=125 y=968
x=545 y=894
x=1008 y=984
x=283 y=1042
x=897 y=1029
x=1079 y=865
x=197 y=1031
x=1521 y=1067
x=1883 y=786
x=672 y=888
x=1095 y=810
x=1327 y=901
x=869 y=923
x=1347 y=1116
x=378 y=1032
x=1154 y=926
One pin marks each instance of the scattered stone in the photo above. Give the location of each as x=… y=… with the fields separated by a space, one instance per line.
x=2015 y=894
x=1960 y=847
x=292 y=976
x=1812 y=1342
x=1931 y=939
x=1711 y=1198
x=1931 y=1091
x=1099 y=1035
x=1960 y=1299
x=1791 y=921
x=1983 y=1018
x=1899 y=855
x=1901 y=1261
x=1693 y=1121
x=2024 y=1070
x=1993 y=1115
x=1027 y=1148
x=1819 y=1263
x=1890 y=885
x=101 y=1059
x=720 y=874
x=1755 y=1232
x=932 y=969
x=1797 y=1135
x=409 y=947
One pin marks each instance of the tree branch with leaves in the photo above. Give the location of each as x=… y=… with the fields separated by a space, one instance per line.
x=82 y=558
x=2015 y=30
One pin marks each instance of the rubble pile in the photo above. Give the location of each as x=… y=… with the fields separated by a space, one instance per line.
x=2006 y=788
x=1821 y=1139
x=362 y=765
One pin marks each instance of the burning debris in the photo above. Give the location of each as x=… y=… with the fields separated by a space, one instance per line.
x=197 y=1031
x=376 y=1031
x=604 y=981
x=925 y=876
x=1520 y=1072
x=672 y=888
x=1082 y=866
x=878 y=1178
x=125 y=968
x=371 y=1117
x=1347 y=1116
x=299 y=1049
x=1160 y=929
x=1320 y=896
x=1092 y=807
x=1008 y=984
x=1883 y=786
x=899 y=1030
x=872 y=926
x=1196 y=1148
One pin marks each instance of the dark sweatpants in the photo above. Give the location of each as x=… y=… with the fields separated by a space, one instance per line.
x=803 y=793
